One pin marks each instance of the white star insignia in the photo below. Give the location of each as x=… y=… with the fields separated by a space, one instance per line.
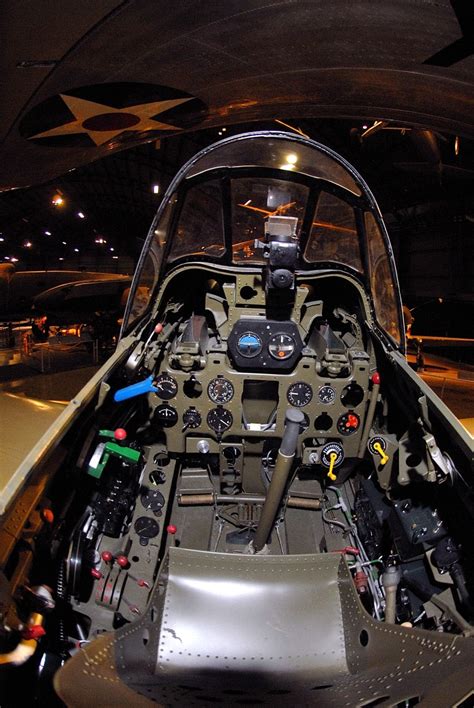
x=86 y=111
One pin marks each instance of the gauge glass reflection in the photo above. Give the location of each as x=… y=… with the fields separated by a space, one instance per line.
x=281 y=346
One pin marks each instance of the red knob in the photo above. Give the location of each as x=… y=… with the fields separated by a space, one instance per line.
x=34 y=632
x=376 y=378
x=352 y=421
x=171 y=529
x=122 y=561
x=158 y=328
x=47 y=516
x=120 y=434
x=96 y=573
x=107 y=556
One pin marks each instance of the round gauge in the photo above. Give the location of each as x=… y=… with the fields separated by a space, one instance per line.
x=249 y=345
x=166 y=387
x=348 y=423
x=281 y=346
x=165 y=415
x=327 y=394
x=220 y=390
x=219 y=420
x=152 y=499
x=146 y=528
x=299 y=394
x=191 y=419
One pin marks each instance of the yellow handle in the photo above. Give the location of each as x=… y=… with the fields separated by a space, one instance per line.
x=383 y=457
x=332 y=460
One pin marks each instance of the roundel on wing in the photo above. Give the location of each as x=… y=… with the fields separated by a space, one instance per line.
x=91 y=116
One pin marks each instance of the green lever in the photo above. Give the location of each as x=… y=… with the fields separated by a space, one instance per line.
x=105 y=450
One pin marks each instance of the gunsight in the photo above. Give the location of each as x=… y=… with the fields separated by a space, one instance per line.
x=281 y=250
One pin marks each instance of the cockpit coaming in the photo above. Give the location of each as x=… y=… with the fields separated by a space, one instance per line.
x=259 y=476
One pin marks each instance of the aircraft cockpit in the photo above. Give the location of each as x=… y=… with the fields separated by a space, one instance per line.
x=258 y=500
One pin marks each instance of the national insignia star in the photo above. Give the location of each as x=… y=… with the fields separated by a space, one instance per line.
x=85 y=111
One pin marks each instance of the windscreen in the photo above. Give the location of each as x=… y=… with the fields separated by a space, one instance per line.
x=280 y=154
x=253 y=201
x=217 y=207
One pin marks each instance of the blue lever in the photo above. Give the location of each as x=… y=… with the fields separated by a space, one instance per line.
x=136 y=389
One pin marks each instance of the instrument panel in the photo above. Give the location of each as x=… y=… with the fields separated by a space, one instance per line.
x=252 y=403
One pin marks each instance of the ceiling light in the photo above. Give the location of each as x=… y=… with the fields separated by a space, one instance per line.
x=60 y=258
x=112 y=249
x=115 y=257
x=58 y=200
x=47 y=233
x=7 y=258
x=2 y=239
x=27 y=244
x=81 y=215
x=76 y=250
x=156 y=188
x=13 y=259
x=365 y=126
x=64 y=243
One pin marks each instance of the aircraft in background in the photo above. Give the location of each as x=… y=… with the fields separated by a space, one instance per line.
x=255 y=499
x=65 y=296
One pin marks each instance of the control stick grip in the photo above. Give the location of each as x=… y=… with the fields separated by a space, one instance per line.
x=293 y=421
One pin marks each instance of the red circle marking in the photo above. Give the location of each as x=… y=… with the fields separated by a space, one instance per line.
x=110 y=121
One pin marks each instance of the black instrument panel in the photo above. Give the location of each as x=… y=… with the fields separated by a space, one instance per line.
x=264 y=345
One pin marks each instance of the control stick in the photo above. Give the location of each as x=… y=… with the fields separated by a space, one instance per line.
x=284 y=462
